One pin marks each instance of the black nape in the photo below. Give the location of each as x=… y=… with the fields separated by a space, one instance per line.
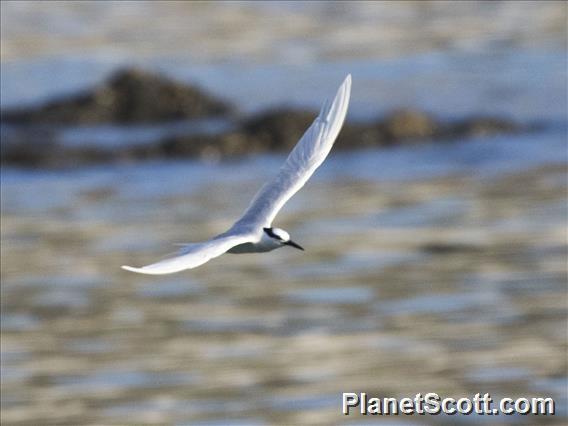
x=271 y=234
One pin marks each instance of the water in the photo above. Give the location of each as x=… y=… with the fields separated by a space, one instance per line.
x=433 y=268
x=273 y=335
x=521 y=84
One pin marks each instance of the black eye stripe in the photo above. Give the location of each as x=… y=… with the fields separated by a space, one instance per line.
x=272 y=234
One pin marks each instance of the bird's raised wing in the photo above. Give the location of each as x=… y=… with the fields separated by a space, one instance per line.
x=193 y=255
x=304 y=159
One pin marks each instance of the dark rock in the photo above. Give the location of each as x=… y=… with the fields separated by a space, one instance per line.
x=133 y=96
x=408 y=124
x=30 y=148
x=49 y=154
x=361 y=136
x=128 y=96
x=192 y=146
x=278 y=130
x=441 y=248
x=402 y=126
x=38 y=147
x=28 y=154
x=484 y=126
x=210 y=147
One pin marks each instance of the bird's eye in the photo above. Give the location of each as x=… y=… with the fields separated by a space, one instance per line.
x=272 y=234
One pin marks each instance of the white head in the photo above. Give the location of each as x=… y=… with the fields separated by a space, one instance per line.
x=281 y=237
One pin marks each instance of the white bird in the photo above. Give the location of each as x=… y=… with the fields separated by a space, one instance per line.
x=253 y=232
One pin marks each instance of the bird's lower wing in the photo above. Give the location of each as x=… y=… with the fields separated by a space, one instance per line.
x=193 y=255
x=305 y=158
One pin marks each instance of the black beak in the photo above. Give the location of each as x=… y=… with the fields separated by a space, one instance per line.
x=293 y=244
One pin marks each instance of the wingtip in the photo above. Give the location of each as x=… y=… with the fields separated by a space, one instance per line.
x=167 y=266
x=343 y=92
x=127 y=268
x=132 y=269
x=346 y=85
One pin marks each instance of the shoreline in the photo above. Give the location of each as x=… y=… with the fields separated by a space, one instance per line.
x=33 y=137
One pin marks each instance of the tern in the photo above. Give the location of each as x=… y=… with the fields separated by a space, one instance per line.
x=253 y=232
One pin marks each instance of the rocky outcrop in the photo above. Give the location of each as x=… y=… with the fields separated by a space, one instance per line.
x=128 y=96
x=32 y=138
x=275 y=131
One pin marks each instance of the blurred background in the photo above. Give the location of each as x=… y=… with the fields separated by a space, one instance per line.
x=435 y=233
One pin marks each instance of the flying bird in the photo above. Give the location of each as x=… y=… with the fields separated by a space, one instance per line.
x=253 y=232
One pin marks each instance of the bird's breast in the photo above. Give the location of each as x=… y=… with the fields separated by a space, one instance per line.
x=251 y=248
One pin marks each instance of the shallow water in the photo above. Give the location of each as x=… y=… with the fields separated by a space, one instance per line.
x=432 y=268
x=450 y=282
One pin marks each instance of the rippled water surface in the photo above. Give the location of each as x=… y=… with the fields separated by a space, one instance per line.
x=430 y=268
x=453 y=283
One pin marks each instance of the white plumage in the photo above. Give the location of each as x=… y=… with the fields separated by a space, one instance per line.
x=253 y=232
